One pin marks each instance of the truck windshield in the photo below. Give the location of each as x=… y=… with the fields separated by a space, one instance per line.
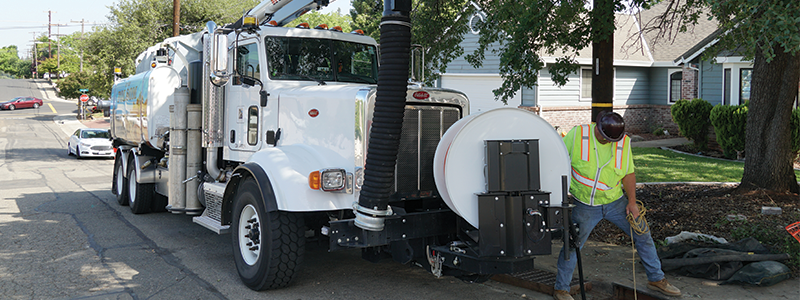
x=291 y=58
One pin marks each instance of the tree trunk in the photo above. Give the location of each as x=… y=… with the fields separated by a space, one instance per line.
x=768 y=140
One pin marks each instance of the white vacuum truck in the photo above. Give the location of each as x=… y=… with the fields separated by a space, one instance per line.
x=269 y=133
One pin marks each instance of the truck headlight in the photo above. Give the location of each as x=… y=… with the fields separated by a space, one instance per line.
x=328 y=180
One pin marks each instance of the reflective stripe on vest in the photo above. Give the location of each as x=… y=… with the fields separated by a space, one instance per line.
x=589 y=182
x=585 y=131
x=586 y=149
x=618 y=157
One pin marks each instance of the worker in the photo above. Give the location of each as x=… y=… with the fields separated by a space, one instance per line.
x=602 y=151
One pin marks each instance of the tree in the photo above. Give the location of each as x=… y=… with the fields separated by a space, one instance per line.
x=71 y=85
x=767 y=32
x=8 y=59
x=331 y=19
x=135 y=25
x=525 y=30
x=438 y=27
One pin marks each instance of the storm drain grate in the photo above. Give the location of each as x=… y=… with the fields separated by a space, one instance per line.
x=539 y=280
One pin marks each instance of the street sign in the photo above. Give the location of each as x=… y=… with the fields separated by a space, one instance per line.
x=84 y=98
x=83 y=90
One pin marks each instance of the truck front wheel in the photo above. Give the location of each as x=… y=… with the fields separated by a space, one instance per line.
x=268 y=246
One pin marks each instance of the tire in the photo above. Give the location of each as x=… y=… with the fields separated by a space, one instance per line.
x=268 y=246
x=12 y=107
x=36 y=105
x=139 y=194
x=69 y=149
x=78 y=152
x=120 y=185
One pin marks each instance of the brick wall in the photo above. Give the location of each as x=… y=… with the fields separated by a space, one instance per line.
x=689 y=82
x=638 y=118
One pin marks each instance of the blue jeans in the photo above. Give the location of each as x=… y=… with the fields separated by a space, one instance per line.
x=587 y=218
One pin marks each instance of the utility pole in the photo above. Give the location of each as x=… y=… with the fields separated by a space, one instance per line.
x=176 y=17
x=35 y=55
x=49 y=33
x=83 y=22
x=602 y=57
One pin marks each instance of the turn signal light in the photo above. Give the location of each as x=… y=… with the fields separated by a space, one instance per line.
x=313 y=180
x=153 y=64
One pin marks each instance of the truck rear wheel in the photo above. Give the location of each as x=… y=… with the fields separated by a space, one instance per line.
x=120 y=185
x=139 y=194
x=268 y=246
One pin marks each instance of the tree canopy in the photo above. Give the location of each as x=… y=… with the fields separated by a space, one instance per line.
x=438 y=28
x=135 y=25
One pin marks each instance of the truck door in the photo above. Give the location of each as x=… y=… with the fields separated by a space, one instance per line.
x=247 y=120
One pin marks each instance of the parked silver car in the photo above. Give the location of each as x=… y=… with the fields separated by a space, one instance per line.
x=90 y=142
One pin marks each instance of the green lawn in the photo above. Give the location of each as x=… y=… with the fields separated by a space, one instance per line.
x=656 y=165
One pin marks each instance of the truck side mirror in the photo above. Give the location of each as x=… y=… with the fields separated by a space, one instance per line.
x=219 y=73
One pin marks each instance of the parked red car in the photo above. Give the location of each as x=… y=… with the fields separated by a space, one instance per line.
x=21 y=102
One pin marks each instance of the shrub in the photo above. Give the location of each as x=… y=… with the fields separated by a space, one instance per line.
x=794 y=126
x=693 y=120
x=729 y=123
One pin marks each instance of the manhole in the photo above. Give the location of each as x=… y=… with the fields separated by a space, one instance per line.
x=539 y=280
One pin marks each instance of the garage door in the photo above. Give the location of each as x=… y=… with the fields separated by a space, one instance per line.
x=479 y=90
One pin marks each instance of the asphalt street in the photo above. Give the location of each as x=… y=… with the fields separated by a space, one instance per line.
x=63 y=236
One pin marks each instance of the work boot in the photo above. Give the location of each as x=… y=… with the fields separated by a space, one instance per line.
x=562 y=295
x=664 y=287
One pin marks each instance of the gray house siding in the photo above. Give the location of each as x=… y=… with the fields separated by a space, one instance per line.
x=711 y=86
x=491 y=62
x=631 y=86
x=658 y=85
x=552 y=95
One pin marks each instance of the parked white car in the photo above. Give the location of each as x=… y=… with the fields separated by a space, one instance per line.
x=90 y=142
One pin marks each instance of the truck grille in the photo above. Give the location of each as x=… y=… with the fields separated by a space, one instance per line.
x=423 y=127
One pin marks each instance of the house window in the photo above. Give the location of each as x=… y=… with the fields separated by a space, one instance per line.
x=744 y=84
x=726 y=96
x=586 y=84
x=675 y=86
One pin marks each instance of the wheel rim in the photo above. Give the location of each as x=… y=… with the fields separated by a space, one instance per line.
x=120 y=179
x=11 y=107
x=249 y=235
x=36 y=105
x=132 y=188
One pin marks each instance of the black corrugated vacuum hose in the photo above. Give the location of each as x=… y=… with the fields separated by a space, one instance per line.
x=387 y=120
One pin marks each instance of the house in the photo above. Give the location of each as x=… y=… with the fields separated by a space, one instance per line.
x=650 y=74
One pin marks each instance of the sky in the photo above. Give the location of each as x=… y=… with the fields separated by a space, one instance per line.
x=23 y=19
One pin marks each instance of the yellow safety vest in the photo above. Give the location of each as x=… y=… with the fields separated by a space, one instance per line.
x=597 y=169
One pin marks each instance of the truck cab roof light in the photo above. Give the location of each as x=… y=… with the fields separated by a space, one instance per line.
x=358 y=31
x=321 y=26
x=303 y=25
x=249 y=22
x=337 y=28
x=272 y=23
